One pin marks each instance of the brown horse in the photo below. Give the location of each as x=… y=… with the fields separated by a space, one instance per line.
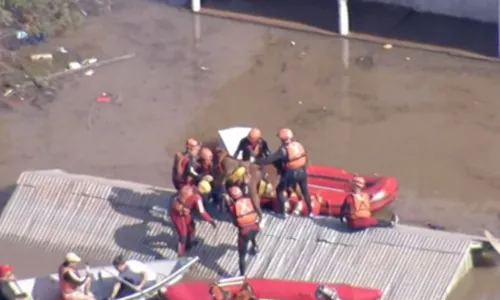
x=225 y=165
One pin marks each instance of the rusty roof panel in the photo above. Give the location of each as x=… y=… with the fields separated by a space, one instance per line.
x=99 y=217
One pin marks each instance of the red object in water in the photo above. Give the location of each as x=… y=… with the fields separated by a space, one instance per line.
x=334 y=185
x=269 y=289
x=104 y=98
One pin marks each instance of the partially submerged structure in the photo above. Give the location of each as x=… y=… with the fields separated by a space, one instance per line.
x=99 y=218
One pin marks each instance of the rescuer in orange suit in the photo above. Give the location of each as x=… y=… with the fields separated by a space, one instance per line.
x=189 y=198
x=253 y=146
x=293 y=160
x=185 y=164
x=356 y=209
x=245 y=218
x=71 y=284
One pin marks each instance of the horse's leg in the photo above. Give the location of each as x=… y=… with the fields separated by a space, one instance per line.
x=254 y=194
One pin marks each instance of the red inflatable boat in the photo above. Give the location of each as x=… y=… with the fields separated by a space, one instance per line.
x=334 y=184
x=270 y=289
x=331 y=185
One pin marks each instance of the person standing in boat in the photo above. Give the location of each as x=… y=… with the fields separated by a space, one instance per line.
x=9 y=288
x=245 y=218
x=187 y=199
x=355 y=210
x=292 y=158
x=252 y=146
x=72 y=285
x=133 y=277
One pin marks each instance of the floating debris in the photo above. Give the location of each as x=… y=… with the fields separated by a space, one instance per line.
x=89 y=73
x=62 y=50
x=387 y=46
x=203 y=68
x=89 y=61
x=104 y=98
x=21 y=35
x=41 y=56
x=74 y=65
x=293 y=43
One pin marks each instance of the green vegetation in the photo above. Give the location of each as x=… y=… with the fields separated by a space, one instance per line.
x=36 y=16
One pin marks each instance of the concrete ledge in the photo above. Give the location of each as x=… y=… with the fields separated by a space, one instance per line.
x=353 y=36
x=479 y=10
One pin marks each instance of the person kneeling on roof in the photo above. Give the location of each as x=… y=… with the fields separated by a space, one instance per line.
x=356 y=209
x=245 y=218
x=132 y=278
x=187 y=199
x=298 y=206
x=9 y=288
x=73 y=286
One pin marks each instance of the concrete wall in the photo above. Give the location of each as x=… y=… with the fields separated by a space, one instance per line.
x=480 y=10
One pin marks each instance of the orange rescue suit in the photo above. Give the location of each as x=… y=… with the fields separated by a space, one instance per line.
x=66 y=286
x=296 y=155
x=245 y=213
x=359 y=204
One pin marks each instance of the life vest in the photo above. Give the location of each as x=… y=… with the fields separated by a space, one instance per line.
x=66 y=286
x=245 y=212
x=360 y=206
x=14 y=286
x=296 y=155
x=180 y=204
x=238 y=175
x=265 y=189
x=178 y=167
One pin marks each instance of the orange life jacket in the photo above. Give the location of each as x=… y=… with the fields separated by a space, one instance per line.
x=180 y=204
x=66 y=286
x=245 y=212
x=296 y=155
x=360 y=206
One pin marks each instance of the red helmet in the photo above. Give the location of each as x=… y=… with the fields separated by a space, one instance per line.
x=285 y=135
x=5 y=269
x=206 y=154
x=254 y=135
x=235 y=192
x=192 y=143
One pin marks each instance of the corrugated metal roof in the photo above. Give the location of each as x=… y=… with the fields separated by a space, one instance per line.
x=100 y=217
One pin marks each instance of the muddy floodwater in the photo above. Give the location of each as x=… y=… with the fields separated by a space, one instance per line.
x=430 y=120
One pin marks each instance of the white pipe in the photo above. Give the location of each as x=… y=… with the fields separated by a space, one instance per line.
x=196 y=5
x=343 y=17
x=345 y=52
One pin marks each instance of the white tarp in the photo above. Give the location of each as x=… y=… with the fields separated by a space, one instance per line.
x=229 y=138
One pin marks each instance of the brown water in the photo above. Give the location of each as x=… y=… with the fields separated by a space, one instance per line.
x=428 y=119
